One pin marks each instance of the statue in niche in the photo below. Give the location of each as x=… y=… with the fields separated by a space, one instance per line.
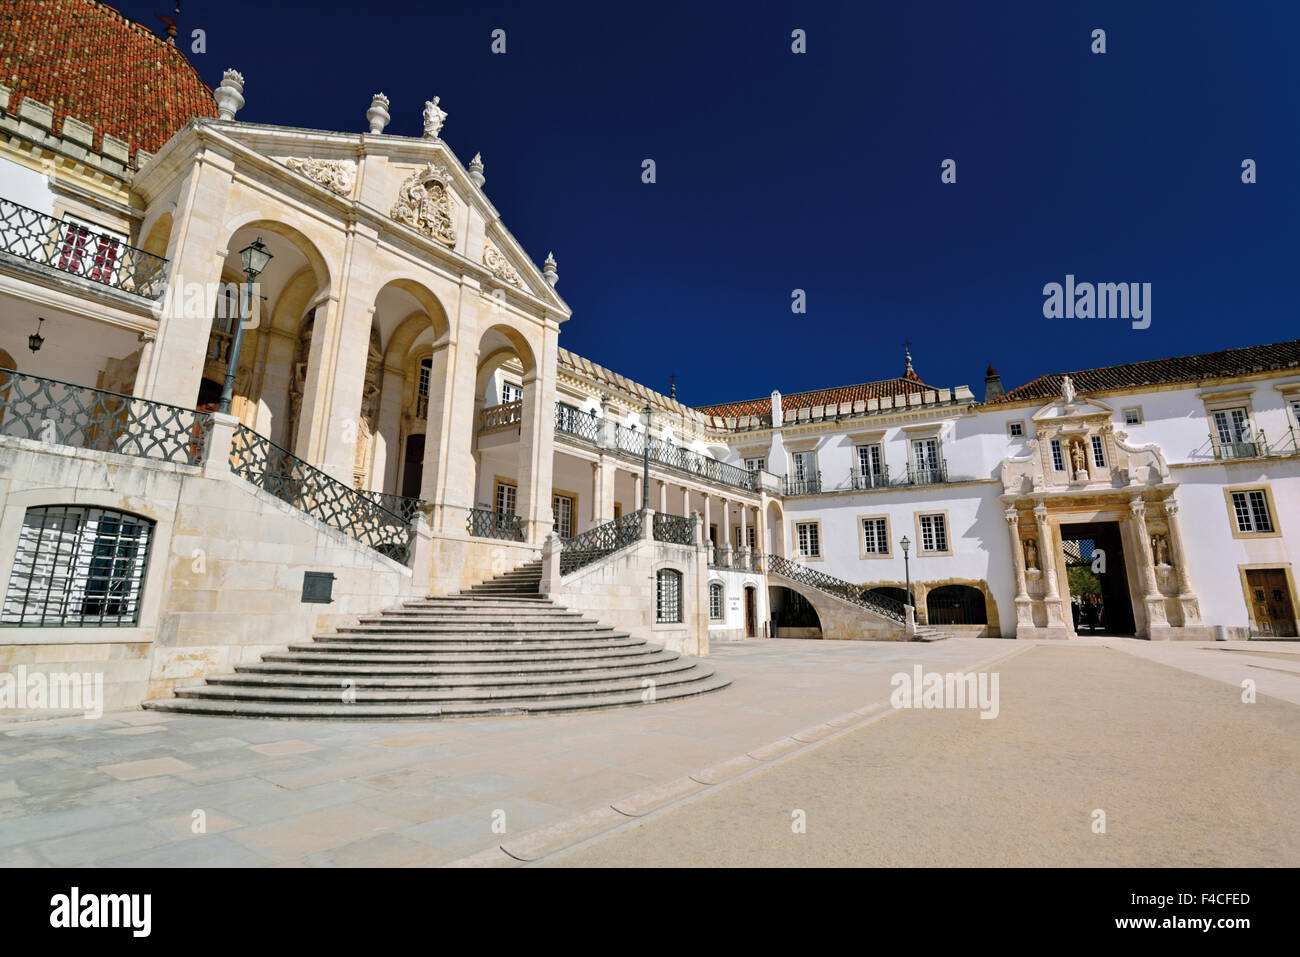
x=1080 y=460
x=1160 y=549
x=1031 y=553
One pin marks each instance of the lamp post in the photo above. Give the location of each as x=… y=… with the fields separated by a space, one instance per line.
x=907 y=570
x=645 y=467
x=255 y=256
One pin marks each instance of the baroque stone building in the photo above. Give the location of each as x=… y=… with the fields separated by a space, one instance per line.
x=403 y=423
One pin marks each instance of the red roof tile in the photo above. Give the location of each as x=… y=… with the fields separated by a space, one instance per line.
x=1207 y=365
x=90 y=62
x=801 y=400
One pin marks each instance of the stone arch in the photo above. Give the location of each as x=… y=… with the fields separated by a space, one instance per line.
x=775 y=545
x=952 y=599
x=794 y=612
x=156 y=231
x=293 y=232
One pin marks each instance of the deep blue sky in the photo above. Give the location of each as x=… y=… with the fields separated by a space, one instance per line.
x=821 y=171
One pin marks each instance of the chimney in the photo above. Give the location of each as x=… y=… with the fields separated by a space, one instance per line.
x=992 y=384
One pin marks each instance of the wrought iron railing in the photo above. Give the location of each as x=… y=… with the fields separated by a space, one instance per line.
x=674 y=529
x=846 y=591
x=77 y=250
x=807 y=484
x=936 y=474
x=61 y=413
x=1255 y=447
x=595 y=543
x=718 y=557
x=275 y=470
x=575 y=422
x=486 y=523
x=404 y=508
x=862 y=481
x=501 y=416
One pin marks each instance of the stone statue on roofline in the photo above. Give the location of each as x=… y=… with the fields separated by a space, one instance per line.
x=1068 y=394
x=433 y=119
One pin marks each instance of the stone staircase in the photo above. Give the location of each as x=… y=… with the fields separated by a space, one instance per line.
x=928 y=633
x=497 y=648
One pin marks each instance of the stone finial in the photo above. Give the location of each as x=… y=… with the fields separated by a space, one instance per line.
x=230 y=94
x=378 y=113
x=476 y=170
x=433 y=119
x=548 y=270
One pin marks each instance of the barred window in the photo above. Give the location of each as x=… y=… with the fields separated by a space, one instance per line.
x=934 y=534
x=1251 y=511
x=78 y=567
x=1058 y=461
x=1098 y=452
x=668 y=596
x=875 y=536
x=715 y=600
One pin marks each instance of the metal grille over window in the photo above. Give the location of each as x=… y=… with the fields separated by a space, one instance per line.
x=77 y=567
x=715 y=601
x=668 y=596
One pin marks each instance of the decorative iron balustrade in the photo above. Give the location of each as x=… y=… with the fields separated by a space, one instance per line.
x=404 y=508
x=79 y=251
x=846 y=591
x=674 y=529
x=60 y=413
x=805 y=485
x=485 y=523
x=718 y=557
x=263 y=463
x=1252 y=448
x=595 y=543
x=575 y=422
x=501 y=416
x=927 y=474
x=863 y=481
x=629 y=440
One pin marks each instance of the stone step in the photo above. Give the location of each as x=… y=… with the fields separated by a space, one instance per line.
x=468 y=709
x=423 y=670
x=413 y=647
x=578 y=627
x=441 y=680
x=322 y=653
x=271 y=692
x=477 y=614
x=487 y=642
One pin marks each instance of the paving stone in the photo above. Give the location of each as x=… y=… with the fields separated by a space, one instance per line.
x=131 y=770
x=277 y=748
x=313 y=831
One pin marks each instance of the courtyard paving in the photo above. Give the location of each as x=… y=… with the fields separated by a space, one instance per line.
x=126 y=789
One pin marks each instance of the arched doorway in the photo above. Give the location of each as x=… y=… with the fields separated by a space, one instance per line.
x=751 y=611
x=793 y=616
x=956 y=605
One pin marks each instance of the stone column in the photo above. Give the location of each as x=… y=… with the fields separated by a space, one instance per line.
x=1186 y=597
x=761 y=519
x=536 y=452
x=637 y=493
x=1056 y=626
x=435 y=473
x=597 y=493
x=663 y=497
x=1024 y=604
x=707 y=520
x=1157 y=621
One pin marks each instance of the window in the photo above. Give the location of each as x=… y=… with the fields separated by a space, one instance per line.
x=925 y=460
x=422 y=388
x=1295 y=410
x=809 y=537
x=875 y=536
x=668 y=596
x=715 y=600
x=755 y=465
x=934 y=533
x=749 y=539
x=78 y=567
x=566 y=417
x=505 y=498
x=1098 y=452
x=1016 y=430
x=803 y=465
x=89 y=250
x=511 y=392
x=1133 y=416
x=869 y=465
x=1058 y=460
x=1250 y=508
x=562 y=509
x=1231 y=426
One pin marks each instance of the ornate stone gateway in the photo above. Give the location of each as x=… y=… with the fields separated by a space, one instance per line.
x=1080 y=472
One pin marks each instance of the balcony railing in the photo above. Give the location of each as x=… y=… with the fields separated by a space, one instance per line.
x=806 y=484
x=1254 y=447
x=486 y=523
x=502 y=416
x=74 y=249
x=405 y=508
x=275 y=470
x=862 y=481
x=60 y=413
x=575 y=422
x=674 y=529
x=596 y=543
x=936 y=474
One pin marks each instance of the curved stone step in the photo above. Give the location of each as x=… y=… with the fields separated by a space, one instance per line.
x=269 y=709
x=410 y=646
x=460 y=657
x=326 y=668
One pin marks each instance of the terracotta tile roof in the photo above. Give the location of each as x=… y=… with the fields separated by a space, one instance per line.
x=1207 y=365
x=800 y=400
x=90 y=62
x=585 y=368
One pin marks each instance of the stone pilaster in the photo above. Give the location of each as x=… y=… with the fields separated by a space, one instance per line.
x=1151 y=597
x=1024 y=604
x=1056 y=626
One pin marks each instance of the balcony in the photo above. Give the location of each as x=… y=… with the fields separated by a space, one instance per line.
x=933 y=474
x=806 y=484
x=73 y=249
x=863 y=481
x=1256 y=447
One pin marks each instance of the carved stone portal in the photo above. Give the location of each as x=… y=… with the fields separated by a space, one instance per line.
x=424 y=203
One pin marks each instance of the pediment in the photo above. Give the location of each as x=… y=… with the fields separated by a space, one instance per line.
x=1062 y=412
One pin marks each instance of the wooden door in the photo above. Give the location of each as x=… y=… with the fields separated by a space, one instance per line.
x=751 y=614
x=1270 y=600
